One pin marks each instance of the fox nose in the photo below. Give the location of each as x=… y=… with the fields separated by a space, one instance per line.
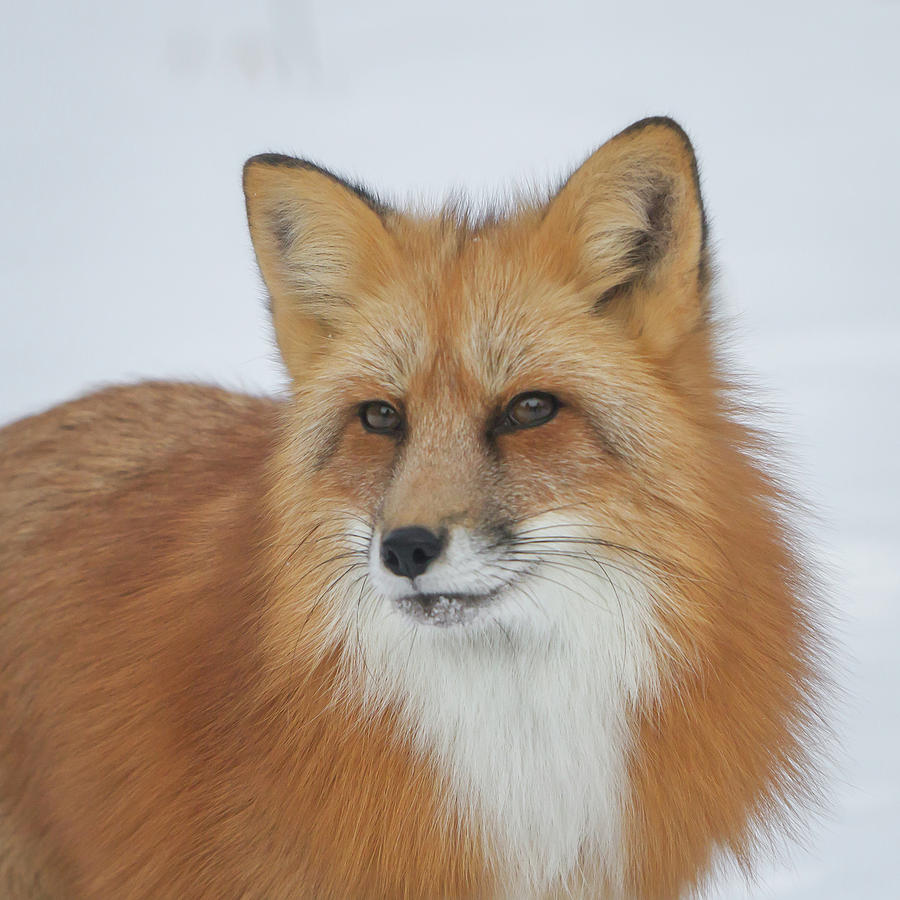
x=409 y=551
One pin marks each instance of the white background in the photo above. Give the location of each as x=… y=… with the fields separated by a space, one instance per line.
x=124 y=252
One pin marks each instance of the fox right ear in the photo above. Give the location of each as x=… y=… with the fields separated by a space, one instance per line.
x=318 y=241
x=634 y=216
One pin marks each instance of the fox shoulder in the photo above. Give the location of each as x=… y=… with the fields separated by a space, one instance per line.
x=108 y=441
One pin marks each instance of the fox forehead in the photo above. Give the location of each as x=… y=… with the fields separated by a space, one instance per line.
x=476 y=337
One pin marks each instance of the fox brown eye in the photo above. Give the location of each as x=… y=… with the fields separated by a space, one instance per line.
x=380 y=417
x=530 y=410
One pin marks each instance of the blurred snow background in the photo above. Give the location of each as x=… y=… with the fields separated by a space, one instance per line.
x=124 y=252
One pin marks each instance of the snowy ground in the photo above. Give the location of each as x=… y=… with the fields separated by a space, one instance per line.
x=124 y=253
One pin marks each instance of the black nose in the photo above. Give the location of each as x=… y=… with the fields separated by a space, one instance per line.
x=409 y=551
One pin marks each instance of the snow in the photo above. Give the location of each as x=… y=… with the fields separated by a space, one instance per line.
x=124 y=253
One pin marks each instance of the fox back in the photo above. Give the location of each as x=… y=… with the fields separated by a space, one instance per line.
x=500 y=601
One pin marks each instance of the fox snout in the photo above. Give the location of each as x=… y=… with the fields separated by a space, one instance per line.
x=440 y=576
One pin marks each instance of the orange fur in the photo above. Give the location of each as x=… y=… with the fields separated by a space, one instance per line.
x=180 y=718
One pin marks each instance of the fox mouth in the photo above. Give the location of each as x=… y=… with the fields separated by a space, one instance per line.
x=446 y=608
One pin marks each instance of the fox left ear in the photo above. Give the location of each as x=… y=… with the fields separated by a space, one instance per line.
x=636 y=216
x=321 y=244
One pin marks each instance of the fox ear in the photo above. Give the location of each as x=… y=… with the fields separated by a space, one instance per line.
x=319 y=242
x=635 y=213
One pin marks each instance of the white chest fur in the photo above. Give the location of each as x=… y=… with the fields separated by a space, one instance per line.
x=527 y=711
x=535 y=758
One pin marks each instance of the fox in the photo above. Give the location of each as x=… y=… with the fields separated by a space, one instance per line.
x=503 y=598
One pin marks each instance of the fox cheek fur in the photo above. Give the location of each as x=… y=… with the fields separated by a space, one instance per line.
x=501 y=601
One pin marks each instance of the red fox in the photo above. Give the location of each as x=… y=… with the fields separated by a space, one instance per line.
x=501 y=601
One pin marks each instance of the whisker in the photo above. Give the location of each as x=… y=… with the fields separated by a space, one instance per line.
x=559 y=584
x=578 y=505
x=663 y=569
x=521 y=585
x=599 y=542
x=359 y=649
x=573 y=555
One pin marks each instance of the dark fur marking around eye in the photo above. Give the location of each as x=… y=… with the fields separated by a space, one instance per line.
x=607 y=440
x=327 y=447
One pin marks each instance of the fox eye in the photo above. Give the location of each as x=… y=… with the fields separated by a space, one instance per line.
x=531 y=409
x=380 y=417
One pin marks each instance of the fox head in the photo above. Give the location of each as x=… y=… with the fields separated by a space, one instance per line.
x=499 y=397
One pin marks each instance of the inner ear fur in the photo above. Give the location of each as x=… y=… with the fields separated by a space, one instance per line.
x=634 y=218
x=321 y=244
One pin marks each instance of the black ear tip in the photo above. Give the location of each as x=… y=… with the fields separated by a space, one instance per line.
x=659 y=122
x=275 y=159
x=279 y=161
